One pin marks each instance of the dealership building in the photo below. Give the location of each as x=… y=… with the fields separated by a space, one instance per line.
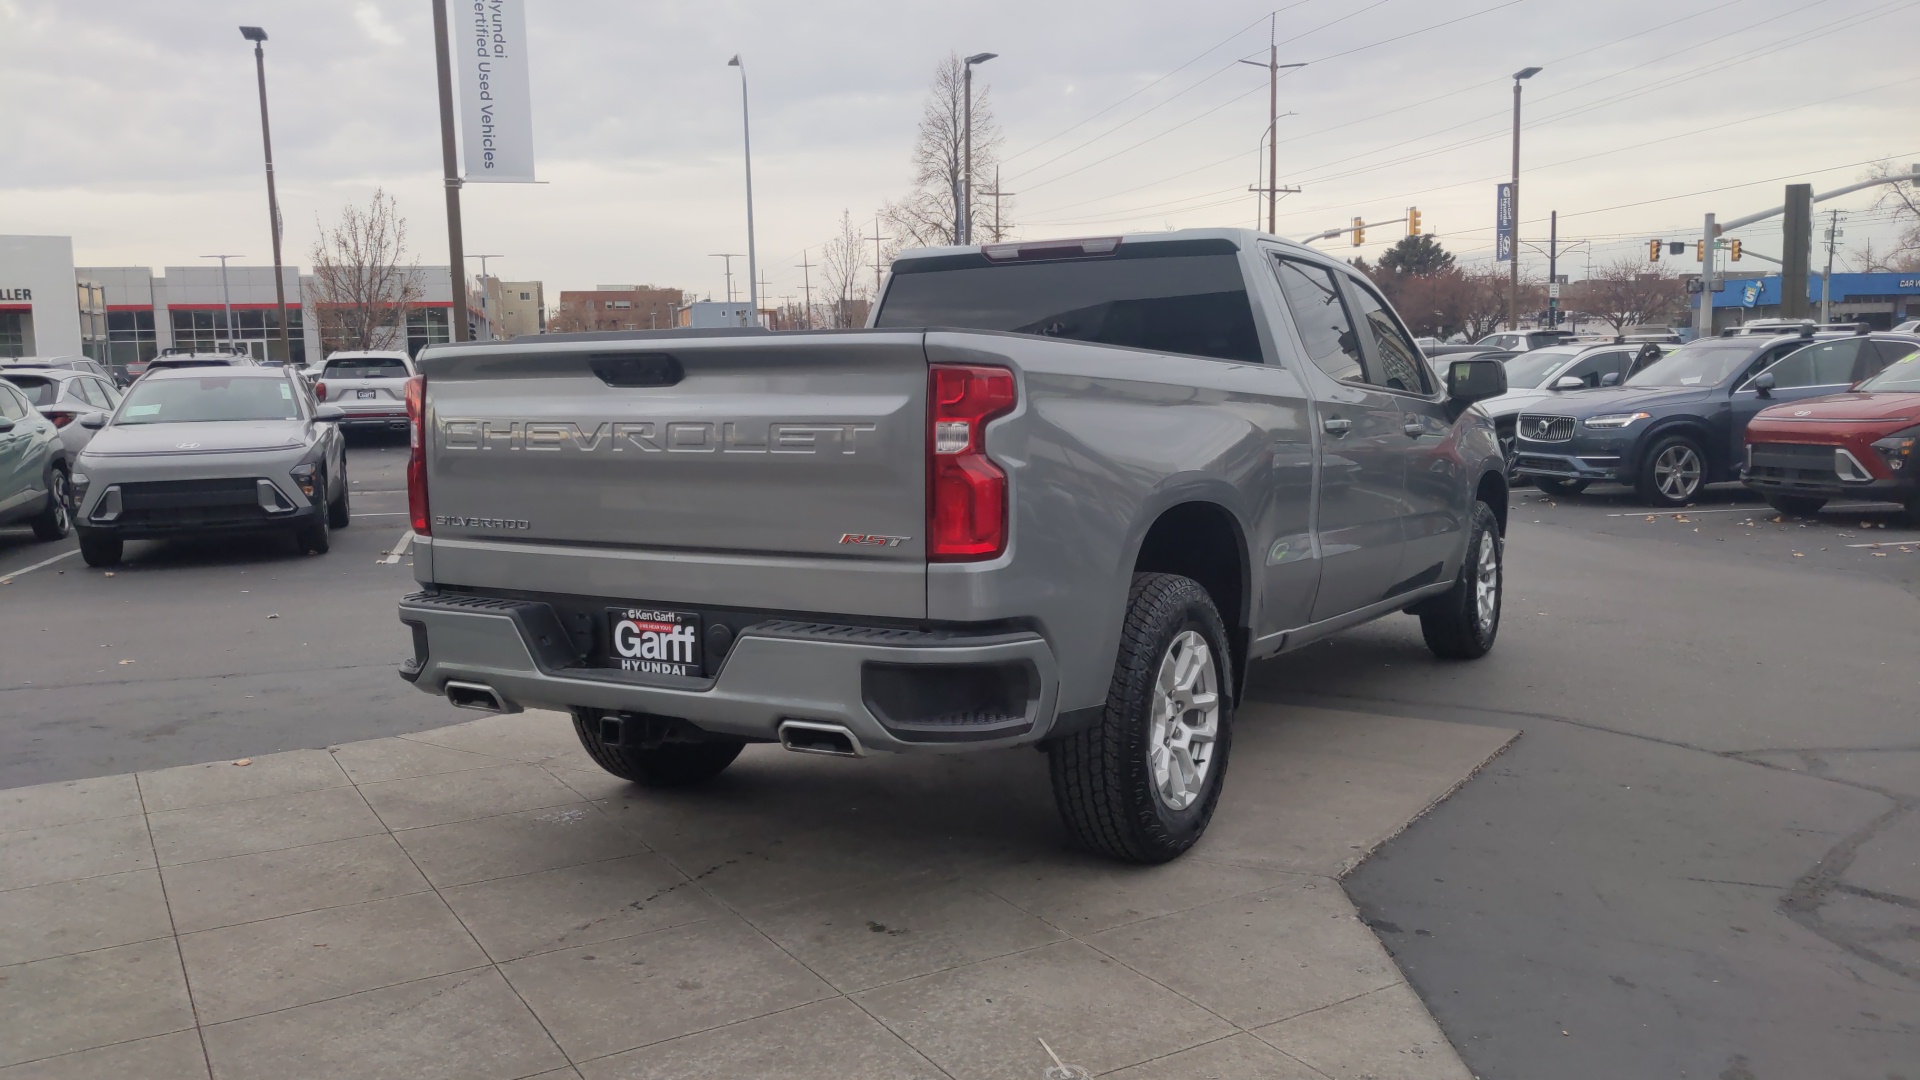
x=1880 y=300
x=123 y=314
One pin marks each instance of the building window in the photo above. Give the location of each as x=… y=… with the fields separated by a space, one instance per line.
x=526 y=296
x=257 y=330
x=427 y=326
x=130 y=337
x=14 y=333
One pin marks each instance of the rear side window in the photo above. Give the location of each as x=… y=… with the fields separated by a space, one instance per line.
x=367 y=367
x=1827 y=364
x=1194 y=305
x=37 y=391
x=1321 y=317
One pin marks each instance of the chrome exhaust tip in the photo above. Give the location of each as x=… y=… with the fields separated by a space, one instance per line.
x=477 y=696
x=812 y=737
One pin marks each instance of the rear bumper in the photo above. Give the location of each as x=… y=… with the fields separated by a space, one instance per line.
x=868 y=680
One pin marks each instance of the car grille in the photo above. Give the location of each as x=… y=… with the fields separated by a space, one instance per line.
x=225 y=501
x=1534 y=461
x=1545 y=428
x=1788 y=463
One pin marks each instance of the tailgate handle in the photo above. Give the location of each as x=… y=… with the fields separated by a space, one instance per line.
x=637 y=369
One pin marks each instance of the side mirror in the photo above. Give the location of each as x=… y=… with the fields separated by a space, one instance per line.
x=330 y=414
x=1763 y=384
x=1569 y=382
x=94 y=421
x=1474 y=380
x=1611 y=378
x=6 y=425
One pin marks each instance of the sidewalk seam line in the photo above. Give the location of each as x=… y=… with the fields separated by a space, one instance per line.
x=186 y=977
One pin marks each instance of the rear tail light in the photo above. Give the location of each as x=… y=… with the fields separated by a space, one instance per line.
x=320 y=390
x=966 y=491
x=417 y=455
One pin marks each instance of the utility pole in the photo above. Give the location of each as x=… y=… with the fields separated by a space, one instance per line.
x=877 y=238
x=1513 y=201
x=258 y=37
x=1826 y=288
x=729 y=256
x=1703 y=315
x=999 y=234
x=762 y=294
x=1553 y=270
x=1796 y=250
x=450 y=168
x=963 y=213
x=1273 y=65
x=806 y=287
x=226 y=298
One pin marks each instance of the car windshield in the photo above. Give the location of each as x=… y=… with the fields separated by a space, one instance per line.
x=208 y=398
x=1530 y=369
x=1901 y=377
x=366 y=367
x=1700 y=363
x=39 y=391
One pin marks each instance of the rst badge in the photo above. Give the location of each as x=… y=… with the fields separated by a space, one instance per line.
x=873 y=539
x=655 y=642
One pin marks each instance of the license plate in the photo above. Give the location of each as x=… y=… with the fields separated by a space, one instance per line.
x=654 y=641
x=365 y=395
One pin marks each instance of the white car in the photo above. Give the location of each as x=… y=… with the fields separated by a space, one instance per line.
x=370 y=387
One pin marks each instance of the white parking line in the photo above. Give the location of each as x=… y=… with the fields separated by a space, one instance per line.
x=1889 y=543
x=1743 y=510
x=44 y=562
x=400 y=548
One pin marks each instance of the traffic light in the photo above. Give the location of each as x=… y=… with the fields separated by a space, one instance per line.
x=1735 y=249
x=1653 y=249
x=1413 y=221
x=1359 y=232
x=1699 y=251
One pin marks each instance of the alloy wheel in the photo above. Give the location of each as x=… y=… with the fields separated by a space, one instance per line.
x=1677 y=472
x=62 y=500
x=1186 y=721
x=1486 y=583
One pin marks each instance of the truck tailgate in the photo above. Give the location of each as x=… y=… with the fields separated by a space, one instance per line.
x=696 y=469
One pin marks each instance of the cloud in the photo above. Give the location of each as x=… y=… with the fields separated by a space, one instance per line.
x=375 y=25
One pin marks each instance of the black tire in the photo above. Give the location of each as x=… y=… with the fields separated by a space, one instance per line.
x=670 y=765
x=1912 y=514
x=1796 y=505
x=1453 y=623
x=340 y=510
x=1673 y=472
x=56 y=521
x=1554 y=485
x=1103 y=777
x=315 y=537
x=100 y=550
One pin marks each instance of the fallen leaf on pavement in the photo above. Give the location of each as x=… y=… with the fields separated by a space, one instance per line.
x=123 y=663
x=108 y=574
x=244 y=761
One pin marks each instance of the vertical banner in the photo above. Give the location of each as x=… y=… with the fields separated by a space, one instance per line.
x=1503 y=224
x=496 y=118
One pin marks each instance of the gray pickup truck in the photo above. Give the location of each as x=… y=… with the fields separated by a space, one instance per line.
x=1055 y=493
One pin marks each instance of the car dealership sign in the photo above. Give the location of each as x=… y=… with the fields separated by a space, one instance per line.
x=496 y=117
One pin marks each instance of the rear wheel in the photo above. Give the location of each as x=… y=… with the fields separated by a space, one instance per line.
x=1796 y=505
x=100 y=550
x=340 y=510
x=1553 y=485
x=1141 y=784
x=56 y=521
x=668 y=765
x=1673 y=472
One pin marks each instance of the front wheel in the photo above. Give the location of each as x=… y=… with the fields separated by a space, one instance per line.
x=1673 y=472
x=314 y=537
x=1796 y=505
x=1141 y=783
x=668 y=765
x=1553 y=485
x=1461 y=623
x=340 y=510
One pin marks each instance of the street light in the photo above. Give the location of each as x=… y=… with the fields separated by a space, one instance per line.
x=746 y=140
x=226 y=298
x=258 y=37
x=963 y=214
x=1513 y=204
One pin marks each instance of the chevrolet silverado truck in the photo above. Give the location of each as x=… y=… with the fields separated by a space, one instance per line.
x=1057 y=494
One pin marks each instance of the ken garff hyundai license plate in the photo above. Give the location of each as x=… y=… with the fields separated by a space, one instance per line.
x=655 y=642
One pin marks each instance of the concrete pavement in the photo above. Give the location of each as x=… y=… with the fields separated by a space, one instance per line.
x=480 y=902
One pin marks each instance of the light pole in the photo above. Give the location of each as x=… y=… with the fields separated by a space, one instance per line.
x=226 y=298
x=1513 y=202
x=746 y=142
x=963 y=214
x=450 y=176
x=258 y=37
x=729 y=256
x=486 y=298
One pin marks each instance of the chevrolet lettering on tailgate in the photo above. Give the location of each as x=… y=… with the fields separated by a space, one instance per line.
x=650 y=437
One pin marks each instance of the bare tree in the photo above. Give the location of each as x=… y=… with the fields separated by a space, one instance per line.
x=363 y=280
x=1628 y=292
x=928 y=216
x=1904 y=200
x=1484 y=298
x=843 y=277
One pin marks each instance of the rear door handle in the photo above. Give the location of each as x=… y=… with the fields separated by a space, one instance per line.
x=1336 y=425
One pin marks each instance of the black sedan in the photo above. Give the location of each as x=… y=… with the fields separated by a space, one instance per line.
x=1680 y=424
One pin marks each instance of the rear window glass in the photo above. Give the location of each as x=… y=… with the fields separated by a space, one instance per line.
x=367 y=367
x=1190 y=304
x=208 y=398
x=37 y=390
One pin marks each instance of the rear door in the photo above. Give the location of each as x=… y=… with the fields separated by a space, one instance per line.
x=1813 y=371
x=1362 y=446
x=17 y=485
x=787 y=468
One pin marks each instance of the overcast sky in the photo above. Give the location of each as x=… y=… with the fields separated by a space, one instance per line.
x=133 y=126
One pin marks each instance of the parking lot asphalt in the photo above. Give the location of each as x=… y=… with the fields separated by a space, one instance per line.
x=1698 y=860
x=1702 y=857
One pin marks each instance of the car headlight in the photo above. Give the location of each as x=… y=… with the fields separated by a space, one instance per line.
x=1900 y=449
x=79 y=481
x=1615 y=420
x=305 y=474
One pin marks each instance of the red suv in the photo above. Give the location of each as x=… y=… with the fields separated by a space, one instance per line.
x=1861 y=444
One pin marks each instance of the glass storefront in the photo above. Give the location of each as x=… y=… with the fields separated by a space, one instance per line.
x=16 y=333
x=427 y=326
x=256 y=330
x=130 y=337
